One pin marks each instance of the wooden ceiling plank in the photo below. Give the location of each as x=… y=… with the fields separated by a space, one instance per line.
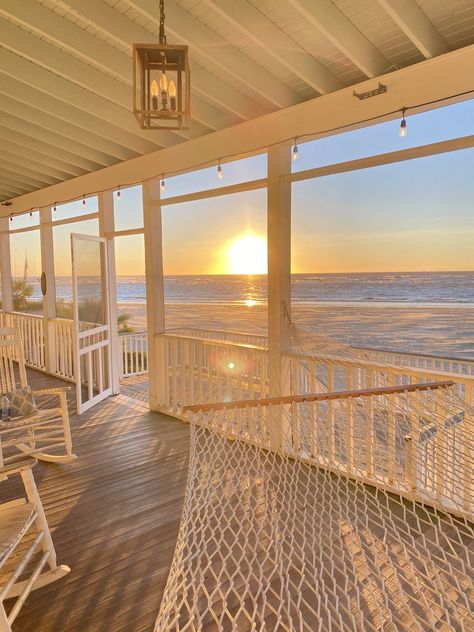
x=38 y=167
x=126 y=31
x=338 y=29
x=286 y=51
x=199 y=37
x=416 y=26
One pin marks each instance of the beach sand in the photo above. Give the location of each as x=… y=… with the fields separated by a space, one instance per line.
x=446 y=331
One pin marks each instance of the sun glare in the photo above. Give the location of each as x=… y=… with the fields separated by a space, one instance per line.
x=247 y=255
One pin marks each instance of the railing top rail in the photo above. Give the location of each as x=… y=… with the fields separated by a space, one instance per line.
x=396 y=369
x=317 y=397
x=214 y=341
x=410 y=354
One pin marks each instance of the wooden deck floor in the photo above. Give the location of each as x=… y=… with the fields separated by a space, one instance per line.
x=114 y=515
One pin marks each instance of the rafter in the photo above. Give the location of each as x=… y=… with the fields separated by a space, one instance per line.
x=29 y=168
x=416 y=26
x=208 y=86
x=267 y=35
x=56 y=125
x=40 y=158
x=52 y=150
x=22 y=179
x=238 y=66
x=34 y=165
x=90 y=125
x=95 y=159
x=327 y=18
x=106 y=93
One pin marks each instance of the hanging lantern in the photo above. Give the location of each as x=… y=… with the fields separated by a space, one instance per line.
x=161 y=83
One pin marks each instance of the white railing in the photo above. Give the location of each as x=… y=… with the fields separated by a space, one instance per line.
x=209 y=370
x=419 y=360
x=238 y=337
x=133 y=354
x=62 y=334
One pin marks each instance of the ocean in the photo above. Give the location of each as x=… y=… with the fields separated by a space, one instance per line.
x=405 y=288
x=424 y=312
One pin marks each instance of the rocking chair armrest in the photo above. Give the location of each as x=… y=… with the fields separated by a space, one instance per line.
x=57 y=390
x=13 y=468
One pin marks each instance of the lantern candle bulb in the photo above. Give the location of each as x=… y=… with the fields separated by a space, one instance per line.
x=154 y=94
x=172 y=91
x=164 y=90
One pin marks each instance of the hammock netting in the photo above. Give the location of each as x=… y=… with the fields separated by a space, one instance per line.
x=351 y=513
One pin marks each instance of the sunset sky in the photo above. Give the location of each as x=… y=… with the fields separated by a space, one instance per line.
x=416 y=215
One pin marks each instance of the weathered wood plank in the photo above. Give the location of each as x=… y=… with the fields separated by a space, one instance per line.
x=114 y=514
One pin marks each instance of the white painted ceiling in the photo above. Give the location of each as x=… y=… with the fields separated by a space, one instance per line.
x=65 y=68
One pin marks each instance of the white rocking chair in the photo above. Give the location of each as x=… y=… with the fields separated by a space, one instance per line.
x=26 y=547
x=45 y=433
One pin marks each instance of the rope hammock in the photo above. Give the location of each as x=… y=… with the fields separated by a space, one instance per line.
x=342 y=511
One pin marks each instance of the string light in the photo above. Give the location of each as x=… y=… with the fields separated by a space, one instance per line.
x=54 y=208
x=403 y=125
x=321 y=132
x=162 y=184
x=118 y=193
x=295 y=151
x=84 y=201
x=11 y=217
x=220 y=175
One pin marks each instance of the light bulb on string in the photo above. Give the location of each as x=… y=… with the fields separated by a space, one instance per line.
x=295 y=151
x=118 y=194
x=220 y=175
x=84 y=203
x=162 y=184
x=403 y=125
x=54 y=208
x=11 y=217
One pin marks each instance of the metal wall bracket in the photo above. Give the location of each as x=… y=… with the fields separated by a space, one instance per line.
x=371 y=93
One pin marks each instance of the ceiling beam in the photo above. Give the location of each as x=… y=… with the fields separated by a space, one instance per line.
x=238 y=66
x=21 y=179
x=13 y=186
x=21 y=167
x=104 y=93
x=36 y=167
x=254 y=24
x=338 y=29
x=128 y=143
x=77 y=163
x=95 y=159
x=416 y=26
x=56 y=125
x=425 y=82
x=27 y=154
x=208 y=86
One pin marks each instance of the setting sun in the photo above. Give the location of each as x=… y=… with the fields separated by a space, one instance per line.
x=247 y=255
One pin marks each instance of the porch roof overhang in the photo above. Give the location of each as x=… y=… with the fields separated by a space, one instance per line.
x=422 y=86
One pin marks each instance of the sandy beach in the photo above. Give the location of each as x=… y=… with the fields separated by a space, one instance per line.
x=447 y=331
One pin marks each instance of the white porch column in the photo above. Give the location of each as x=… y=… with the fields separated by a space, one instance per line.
x=106 y=230
x=279 y=267
x=279 y=288
x=155 y=295
x=6 y=271
x=49 y=299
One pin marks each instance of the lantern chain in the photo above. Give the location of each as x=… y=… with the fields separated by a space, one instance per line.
x=162 y=22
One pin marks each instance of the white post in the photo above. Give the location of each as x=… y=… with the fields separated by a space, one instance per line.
x=155 y=296
x=106 y=230
x=5 y=265
x=49 y=299
x=279 y=282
